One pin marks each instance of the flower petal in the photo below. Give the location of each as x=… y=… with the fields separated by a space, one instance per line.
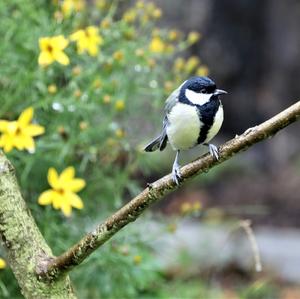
x=34 y=130
x=3 y=125
x=25 y=117
x=19 y=141
x=53 y=178
x=75 y=200
x=46 y=197
x=66 y=209
x=45 y=58
x=28 y=143
x=93 y=49
x=58 y=200
x=61 y=57
x=44 y=43
x=7 y=142
x=76 y=185
x=77 y=35
x=2 y=263
x=67 y=175
x=59 y=42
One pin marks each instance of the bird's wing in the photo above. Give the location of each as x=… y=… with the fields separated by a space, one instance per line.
x=170 y=103
x=171 y=100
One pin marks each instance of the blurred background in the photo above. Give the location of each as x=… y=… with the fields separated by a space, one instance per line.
x=99 y=90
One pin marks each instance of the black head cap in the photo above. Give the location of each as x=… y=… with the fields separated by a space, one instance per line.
x=200 y=84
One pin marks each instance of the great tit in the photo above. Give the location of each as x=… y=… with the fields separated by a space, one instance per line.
x=193 y=115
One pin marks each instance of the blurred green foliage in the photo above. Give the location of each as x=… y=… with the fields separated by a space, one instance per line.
x=93 y=110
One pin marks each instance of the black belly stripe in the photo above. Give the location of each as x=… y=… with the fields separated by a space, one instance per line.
x=207 y=113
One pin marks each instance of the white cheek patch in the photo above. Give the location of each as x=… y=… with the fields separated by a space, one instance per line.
x=197 y=98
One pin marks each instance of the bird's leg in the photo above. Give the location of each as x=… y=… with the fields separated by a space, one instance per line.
x=213 y=150
x=176 y=170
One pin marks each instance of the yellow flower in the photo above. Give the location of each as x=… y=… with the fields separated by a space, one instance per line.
x=157 y=45
x=197 y=206
x=120 y=133
x=157 y=13
x=120 y=105
x=118 y=55
x=87 y=40
x=97 y=83
x=76 y=70
x=137 y=259
x=191 y=64
x=150 y=7
x=155 y=32
x=130 y=16
x=77 y=93
x=68 y=6
x=193 y=37
x=179 y=64
x=52 y=50
x=139 y=52
x=2 y=263
x=62 y=194
x=106 y=99
x=140 y=4
x=173 y=35
x=168 y=86
x=83 y=125
x=58 y=16
x=171 y=228
x=185 y=208
x=52 y=88
x=105 y=23
x=202 y=71
x=151 y=62
x=101 y=4
x=169 y=49
x=144 y=19
x=19 y=133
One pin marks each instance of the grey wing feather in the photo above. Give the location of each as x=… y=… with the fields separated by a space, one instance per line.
x=170 y=103
x=161 y=141
x=172 y=100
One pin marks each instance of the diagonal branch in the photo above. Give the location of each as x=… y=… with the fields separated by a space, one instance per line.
x=154 y=192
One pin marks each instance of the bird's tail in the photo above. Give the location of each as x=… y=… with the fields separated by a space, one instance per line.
x=158 y=143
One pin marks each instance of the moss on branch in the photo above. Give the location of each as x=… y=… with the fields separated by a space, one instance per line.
x=25 y=246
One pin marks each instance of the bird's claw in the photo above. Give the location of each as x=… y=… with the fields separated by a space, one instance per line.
x=213 y=151
x=176 y=176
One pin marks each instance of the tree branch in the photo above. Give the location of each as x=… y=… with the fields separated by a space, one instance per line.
x=25 y=246
x=155 y=191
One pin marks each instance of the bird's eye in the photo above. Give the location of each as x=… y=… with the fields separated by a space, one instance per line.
x=203 y=90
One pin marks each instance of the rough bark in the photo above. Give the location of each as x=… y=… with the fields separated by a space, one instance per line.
x=25 y=246
x=159 y=189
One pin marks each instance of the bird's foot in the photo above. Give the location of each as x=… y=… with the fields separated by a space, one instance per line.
x=176 y=176
x=213 y=151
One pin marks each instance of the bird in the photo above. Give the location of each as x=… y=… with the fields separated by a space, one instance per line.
x=193 y=115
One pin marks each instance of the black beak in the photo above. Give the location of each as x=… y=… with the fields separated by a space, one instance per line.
x=219 y=92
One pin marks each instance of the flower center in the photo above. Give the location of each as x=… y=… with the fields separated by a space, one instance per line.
x=49 y=48
x=61 y=191
x=18 y=131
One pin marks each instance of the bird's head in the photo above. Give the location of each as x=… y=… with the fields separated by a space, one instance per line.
x=199 y=91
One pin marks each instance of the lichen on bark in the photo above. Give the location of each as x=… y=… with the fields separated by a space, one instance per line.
x=25 y=245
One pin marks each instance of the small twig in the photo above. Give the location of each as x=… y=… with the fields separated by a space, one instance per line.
x=131 y=211
x=246 y=225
